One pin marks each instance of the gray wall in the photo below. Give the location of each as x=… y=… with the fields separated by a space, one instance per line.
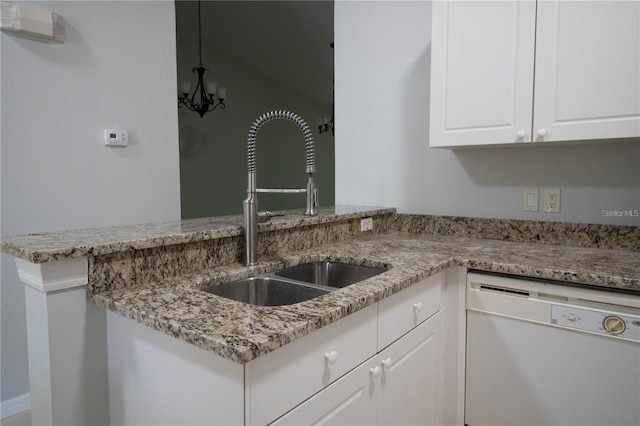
x=213 y=149
x=116 y=69
x=382 y=153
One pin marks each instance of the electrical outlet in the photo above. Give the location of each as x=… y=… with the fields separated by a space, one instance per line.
x=552 y=201
x=530 y=200
x=366 y=224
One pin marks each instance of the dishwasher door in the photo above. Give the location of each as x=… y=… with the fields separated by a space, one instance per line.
x=540 y=354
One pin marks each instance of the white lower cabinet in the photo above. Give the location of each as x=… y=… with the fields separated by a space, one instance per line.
x=403 y=384
x=381 y=365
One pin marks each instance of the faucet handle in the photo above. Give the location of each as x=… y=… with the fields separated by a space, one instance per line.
x=266 y=215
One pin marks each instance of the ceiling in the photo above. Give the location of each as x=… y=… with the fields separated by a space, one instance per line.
x=289 y=41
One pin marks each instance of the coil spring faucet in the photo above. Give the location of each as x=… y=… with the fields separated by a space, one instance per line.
x=250 y=206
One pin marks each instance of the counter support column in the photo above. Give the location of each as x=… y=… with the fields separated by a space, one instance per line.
x=67 y=343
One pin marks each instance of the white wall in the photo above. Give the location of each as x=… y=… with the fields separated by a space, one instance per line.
x=116 y=69
x=382 y=63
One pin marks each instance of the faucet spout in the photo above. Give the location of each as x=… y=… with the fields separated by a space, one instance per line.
x=250 y=205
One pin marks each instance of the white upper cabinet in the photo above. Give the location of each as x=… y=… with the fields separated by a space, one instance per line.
x=586 y=57
x=587 y=83
x=481 y=72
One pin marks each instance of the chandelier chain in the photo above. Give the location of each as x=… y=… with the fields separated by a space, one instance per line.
x=199 y=36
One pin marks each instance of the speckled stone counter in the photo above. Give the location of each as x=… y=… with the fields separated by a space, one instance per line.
x=50 y=247
x=243 y=332
x=154 y=274
x=563 y=233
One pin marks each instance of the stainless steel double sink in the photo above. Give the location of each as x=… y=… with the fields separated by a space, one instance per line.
x=294 y=284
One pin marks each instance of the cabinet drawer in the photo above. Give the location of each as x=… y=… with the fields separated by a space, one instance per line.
x=282 y=379
x=351 y=400
x=406 y=309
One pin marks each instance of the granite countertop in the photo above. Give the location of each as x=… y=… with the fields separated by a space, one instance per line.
x=55 y=246
x=242 y=332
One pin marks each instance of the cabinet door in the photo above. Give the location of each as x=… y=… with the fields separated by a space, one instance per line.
x=349 y=401
x=411 y=387
x=481 y=72
x=587 y=70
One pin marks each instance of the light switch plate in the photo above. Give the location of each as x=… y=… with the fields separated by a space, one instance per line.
x=530 y=200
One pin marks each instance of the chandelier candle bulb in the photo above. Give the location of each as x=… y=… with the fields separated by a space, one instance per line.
x=211 y=88
x=186 y=87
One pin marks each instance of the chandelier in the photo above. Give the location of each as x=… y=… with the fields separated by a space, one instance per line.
x=324 y=125
x=203 y=98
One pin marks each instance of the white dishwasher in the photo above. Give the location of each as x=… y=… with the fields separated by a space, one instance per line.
x=542 y=353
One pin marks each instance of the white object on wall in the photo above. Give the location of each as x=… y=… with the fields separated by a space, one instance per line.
x=530 y=200
x=116 y=137
x=31 y=20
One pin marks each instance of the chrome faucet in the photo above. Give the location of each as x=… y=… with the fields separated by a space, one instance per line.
x=250 y=206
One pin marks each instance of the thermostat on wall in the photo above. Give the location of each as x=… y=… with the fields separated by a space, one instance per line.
x=116 y=137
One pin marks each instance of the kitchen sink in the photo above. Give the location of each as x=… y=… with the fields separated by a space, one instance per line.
x=294 y=284
x=267 y=291
x=330 y=273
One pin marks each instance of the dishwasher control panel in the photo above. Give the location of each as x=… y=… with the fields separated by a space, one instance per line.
x=600 y=322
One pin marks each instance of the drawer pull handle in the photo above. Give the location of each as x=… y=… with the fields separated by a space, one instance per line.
x=542 y=133
x=521 y=134
x=375 y=372
x=386 y=363
x=331 y=357
x=417 y=306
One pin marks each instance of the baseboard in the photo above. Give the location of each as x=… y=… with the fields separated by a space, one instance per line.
x=14 y=406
